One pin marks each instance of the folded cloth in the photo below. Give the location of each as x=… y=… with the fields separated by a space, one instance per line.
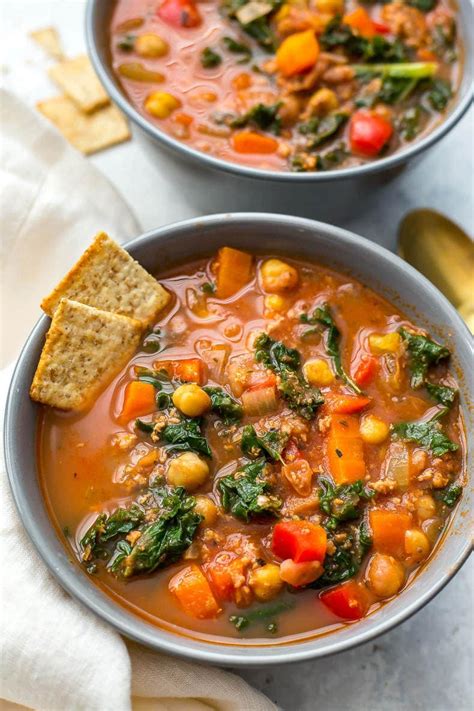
x=56 y=655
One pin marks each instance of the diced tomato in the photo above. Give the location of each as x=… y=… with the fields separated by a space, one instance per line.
x=368 y=133
x=347 y=404
x=366 y=370
x=348 y=600
x=291 y=452
x=180 y=13
x=299 y=540
x=381 y=28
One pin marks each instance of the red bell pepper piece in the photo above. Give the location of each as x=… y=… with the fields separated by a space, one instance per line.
x=348 y=600
x=368 y=133
x=366 y=370
x=180 y=13
x=301 y=541
x=381 y=28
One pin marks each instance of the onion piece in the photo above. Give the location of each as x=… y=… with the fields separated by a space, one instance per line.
x=252 y=11
x=398 y=465
x=259 y=400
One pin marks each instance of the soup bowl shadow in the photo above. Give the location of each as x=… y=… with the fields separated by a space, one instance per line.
x=270 y=234
x=98 y=19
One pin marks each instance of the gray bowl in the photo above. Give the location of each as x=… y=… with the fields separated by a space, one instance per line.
x=276 y=234
x=98 y=15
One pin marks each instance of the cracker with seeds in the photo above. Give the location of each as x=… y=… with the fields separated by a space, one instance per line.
x=88 y=133
x=108 y=278
x=78 y=80
x=85 y=349
x=48 y=39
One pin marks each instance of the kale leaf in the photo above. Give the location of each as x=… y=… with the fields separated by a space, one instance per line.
x=322 y=315
x=348 y=555
x=377 y=48
x=262 y=614
x=186 y=436
x=246 y=492
x=423 y=353
x=238 y=48
x=269 y=444
x=285 y=362
x=320 y=129
x=224 y=405
x=423 y=5
x=341 y=503
x=443 y=394
x=210 y=58
x=259 y=28
x=427 y=434
x=163 y=540
x=439 y=94
x=396 y=89
x=410 y=122
x=108 y=526
x=450 y=494
x=260 y=116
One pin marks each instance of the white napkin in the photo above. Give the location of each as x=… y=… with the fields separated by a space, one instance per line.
x=56 y=655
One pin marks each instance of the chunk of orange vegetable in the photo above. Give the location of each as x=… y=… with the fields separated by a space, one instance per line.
x=191 y=370
x=345 y=450
x=297 y=53
x=348 y=601
x=220 y=573
x=360 y=21
x=139 y=400
x=193 y=592
x=347 y=404
x=234 y=269
x=388 y=531
x=251 y=142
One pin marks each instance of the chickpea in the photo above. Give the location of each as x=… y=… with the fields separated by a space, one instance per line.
x=277 y=276
x=275 y=302
x=191 y=400
x=417 y=545
x=322 y=102
x=206 y=508
x=385 y=575
x=425 y=507
x=331 y=7
x=318 y=373
x=290 y=110
x=161 y=104
x=265 y=581
x=373 y=430
x=298 y=574
x=151 y=45
x=385 y=343
x=187 y=470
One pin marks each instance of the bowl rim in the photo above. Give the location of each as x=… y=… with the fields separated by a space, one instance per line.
x=125 y=621
x=390 y=162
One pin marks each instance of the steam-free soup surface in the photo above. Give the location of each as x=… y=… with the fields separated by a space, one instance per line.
x=315 y=503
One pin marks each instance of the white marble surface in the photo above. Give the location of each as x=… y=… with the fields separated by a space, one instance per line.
x=426 y=663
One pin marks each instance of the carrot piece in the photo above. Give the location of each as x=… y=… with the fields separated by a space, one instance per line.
x=234 y=269
x=360 y=21
x=345 y=450
x=388 y=531
x=301 y=541
x=251 y=142
x=139 y=400
x=222 y=571
x=347 y=404
x=297 y=53
x=348 y=600
x=194 y=593
x=191 y=370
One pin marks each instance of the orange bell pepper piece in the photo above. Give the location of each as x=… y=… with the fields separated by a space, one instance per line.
x=297 y=53
x=360 y=21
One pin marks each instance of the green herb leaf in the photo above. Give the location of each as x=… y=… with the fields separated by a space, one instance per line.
x=423 y=353
x=209 y=58
x=427 y=434
x=285 y=362
x=224 y=405
x=246 y=492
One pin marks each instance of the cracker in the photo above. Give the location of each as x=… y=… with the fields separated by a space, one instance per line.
x=88 y=133
x=78 y=80
x=108 y=278
x=85 y=349
x=48 y=39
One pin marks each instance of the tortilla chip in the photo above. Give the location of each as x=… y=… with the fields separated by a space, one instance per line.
x=77 y=79
x=88 y=133
x=108 y=278
x=85 y=349
x=48 y=39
